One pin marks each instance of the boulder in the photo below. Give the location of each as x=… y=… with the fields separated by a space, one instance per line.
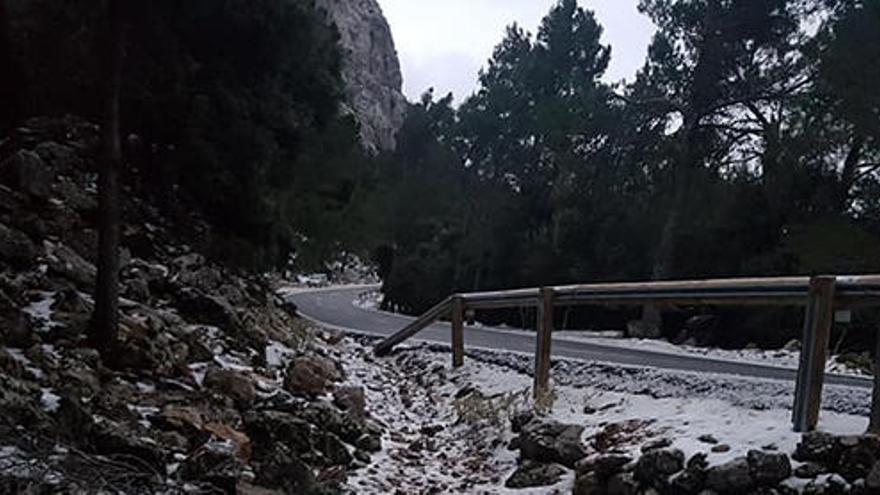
x=237 y=386
x=267 y=428
x=108 y=439
x=26 y=172
x=622 y=484
x=351 y=400
x=731 y=477
x=549 y=441
x=310 y=375
x=588 y=484
x=333 y=449
x=768 y=469
x=872 y=481
x=820 y=447
x=284 y=470
x=604 y=465
x=16 y=247
x=326 y=417
x=859 y=455
x=531 y=474
x=369 y=443
x=521 y=418
x=656 y=466
x=216 y=463
x=67 y=263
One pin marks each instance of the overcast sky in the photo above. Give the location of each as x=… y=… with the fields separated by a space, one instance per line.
x=443 y=44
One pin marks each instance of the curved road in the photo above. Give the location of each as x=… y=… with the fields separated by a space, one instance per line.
x=335 y=308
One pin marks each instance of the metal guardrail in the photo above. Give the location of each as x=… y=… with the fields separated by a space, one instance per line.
x=820 y=296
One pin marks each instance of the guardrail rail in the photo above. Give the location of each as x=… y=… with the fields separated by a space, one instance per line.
x=819 y=295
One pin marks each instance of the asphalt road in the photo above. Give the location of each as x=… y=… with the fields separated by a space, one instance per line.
x=335 y=308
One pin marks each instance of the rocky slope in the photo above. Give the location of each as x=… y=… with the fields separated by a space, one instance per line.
x=371 y=70
x=217 y=388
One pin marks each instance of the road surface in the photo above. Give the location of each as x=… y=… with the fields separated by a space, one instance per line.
x=335 y=308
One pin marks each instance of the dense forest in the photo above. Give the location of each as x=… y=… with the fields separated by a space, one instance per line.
x=748 y=144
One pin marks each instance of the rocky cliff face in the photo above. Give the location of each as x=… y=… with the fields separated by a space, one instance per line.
x=371 y=71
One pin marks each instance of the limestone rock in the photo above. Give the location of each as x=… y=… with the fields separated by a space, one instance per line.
x=658 y=465
x=768 y=469
x=371 y=70
x=548 y=441
x=731 y=477
x=310 y=375
x=531 y=474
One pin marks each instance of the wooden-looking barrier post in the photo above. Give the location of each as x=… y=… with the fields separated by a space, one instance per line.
x=457 y=319
x=814 y=352
x=544 y=340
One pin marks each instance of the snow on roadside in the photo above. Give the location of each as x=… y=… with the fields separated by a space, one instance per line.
x=448 y=430
x=779 y=357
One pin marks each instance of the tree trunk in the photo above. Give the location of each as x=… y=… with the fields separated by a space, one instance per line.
x=105 y=320
x=10 y=83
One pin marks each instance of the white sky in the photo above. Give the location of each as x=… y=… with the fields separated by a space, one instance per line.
x=443 y=44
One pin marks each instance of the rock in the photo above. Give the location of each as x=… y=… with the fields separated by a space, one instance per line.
x=687 y=482
x=286 y=471
x=58 y=156
x=521 y=418
x=731 y=477
x=16 y=247
x=136 y=289
x=310 y=375
x=657 y=465
x=588 y=484
x=333 y=449
x=711 y=440
x=548 y=441
x=232 y=384
x=532 y=474
x=659 y=443
x=207 y=309
x=16 y=329
x=872 y=481
x=110 y=439
x=721 y=448
x=66 y=263
x=768 y=469
x=369 y=443
x=371 y=70
x=26 y=172
x=351 y=400
x=328 y=418
x=817 y=446
x=809 y=470
x=604 y=465
x=622 y=484
x=216 y=463
x=192 y=271
x=266 y=428
x=858 y=457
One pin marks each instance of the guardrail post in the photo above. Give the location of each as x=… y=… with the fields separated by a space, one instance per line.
x=814 y=352
x=544 y=340
x=457 y=319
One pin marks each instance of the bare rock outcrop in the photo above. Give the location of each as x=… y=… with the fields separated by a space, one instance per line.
x=371 y=70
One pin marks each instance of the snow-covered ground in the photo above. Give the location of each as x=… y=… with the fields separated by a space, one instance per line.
x=448 y=429
x=778 y=357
